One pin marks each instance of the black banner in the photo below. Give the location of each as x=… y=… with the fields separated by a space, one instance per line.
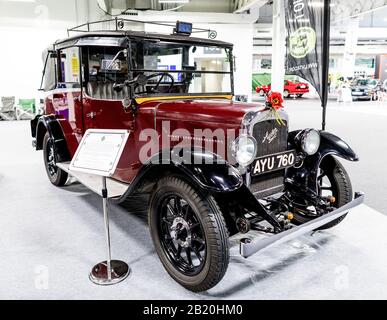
x=305 y=21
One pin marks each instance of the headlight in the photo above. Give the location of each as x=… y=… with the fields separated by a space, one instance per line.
x=310 y=141
x=244 y=149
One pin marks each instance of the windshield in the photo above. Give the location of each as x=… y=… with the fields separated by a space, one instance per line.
x=174 y=68
x=171 y=69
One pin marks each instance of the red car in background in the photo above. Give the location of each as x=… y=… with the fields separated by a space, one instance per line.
x=290 y=88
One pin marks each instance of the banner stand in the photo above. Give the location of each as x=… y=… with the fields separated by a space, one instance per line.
x=110 y=271
x=308 y=41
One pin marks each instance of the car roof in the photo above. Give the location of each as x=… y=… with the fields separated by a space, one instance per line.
x=117 y=38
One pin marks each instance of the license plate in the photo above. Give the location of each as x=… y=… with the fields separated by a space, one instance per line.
x=274 y=162
x=357 y=93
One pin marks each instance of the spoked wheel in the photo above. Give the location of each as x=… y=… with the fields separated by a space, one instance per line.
x=189 y=234
x=184 y=240
x=333 y=181
x=57 y=176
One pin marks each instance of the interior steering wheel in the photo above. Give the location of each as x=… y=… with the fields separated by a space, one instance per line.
x=162 y=75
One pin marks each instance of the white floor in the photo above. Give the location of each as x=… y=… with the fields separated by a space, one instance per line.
x=50 y=238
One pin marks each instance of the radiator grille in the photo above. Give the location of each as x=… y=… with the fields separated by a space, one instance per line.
x=270 y=183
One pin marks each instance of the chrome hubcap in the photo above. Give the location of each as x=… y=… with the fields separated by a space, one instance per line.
x=181 y=232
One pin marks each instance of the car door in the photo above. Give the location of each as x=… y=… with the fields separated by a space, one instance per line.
x=102 y=105
x=66 y=97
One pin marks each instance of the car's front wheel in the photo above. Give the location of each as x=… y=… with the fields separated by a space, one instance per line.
x=189 y=234
x=261 y=92
x=57 y=176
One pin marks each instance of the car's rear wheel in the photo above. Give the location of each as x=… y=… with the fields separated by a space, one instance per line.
x=261 y=92
x=189 y=234
x=299 y=95
x=333 y=180
x=57 y=176
x=286 y=93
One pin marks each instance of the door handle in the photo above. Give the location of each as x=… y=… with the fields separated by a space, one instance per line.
x=91 y=115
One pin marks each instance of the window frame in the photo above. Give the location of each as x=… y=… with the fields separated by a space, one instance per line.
x=229 y=55
x=59 y=75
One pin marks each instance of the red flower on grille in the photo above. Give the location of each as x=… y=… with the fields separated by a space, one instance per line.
x=275 y=100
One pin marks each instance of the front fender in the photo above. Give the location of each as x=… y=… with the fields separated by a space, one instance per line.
x=51 y=125
x=331 y=145
x=210 y=172
x=205 y=170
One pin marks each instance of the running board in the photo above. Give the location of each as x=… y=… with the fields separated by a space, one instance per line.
x=249 y=247
x=94 y=183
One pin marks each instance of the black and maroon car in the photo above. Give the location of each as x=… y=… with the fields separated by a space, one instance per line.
x=212 y=168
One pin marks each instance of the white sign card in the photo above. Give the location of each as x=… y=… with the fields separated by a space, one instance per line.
x=99 y=152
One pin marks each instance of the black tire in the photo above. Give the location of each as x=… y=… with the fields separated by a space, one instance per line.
x=341 y=190
x=299 y=95
x=261 y=93
x=210 y=224
x=57 y=176
x=286 y=94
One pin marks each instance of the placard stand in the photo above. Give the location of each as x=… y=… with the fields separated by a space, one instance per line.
x=110 y=271
x=99 y=153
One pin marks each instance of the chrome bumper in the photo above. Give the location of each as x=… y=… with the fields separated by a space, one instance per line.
x=249 y=247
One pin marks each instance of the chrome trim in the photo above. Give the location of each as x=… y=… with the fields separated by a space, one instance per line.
x=248 y=178
x=273 y=188
x=251 y=118
x=249 y=247
x=235 y=144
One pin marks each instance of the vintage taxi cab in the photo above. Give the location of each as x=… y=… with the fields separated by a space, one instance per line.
x=212 y=167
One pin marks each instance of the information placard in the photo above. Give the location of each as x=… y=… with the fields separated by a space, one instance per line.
x=99 y=151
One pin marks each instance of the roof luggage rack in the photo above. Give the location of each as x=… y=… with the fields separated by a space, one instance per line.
x=119 y=25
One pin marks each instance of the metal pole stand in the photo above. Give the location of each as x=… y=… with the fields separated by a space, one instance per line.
x=111 y=271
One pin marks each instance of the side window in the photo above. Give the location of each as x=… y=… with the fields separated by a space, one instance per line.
x=49 y=71
x=69 y=68
x=105 y=66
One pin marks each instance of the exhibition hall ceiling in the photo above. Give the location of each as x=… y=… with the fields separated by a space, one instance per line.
x=219 y=6
x=344 y=9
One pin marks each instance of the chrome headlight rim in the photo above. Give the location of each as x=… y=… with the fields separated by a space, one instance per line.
x=305 y=141
x=235 y=148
